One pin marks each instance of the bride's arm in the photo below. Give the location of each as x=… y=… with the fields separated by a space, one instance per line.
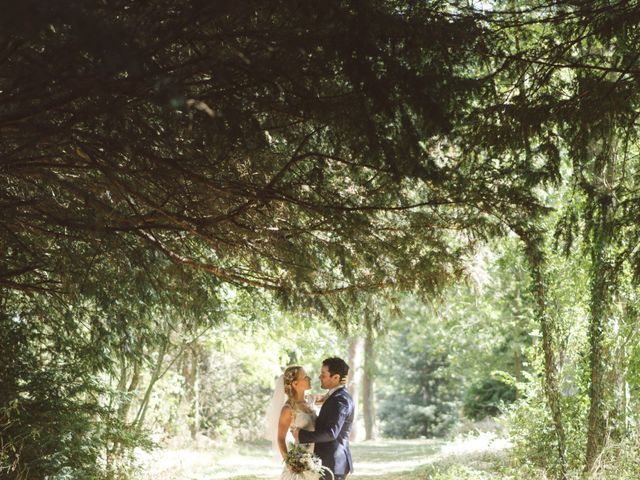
x=284 y=423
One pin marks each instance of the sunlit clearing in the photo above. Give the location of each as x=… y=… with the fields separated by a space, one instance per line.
x=380 y=459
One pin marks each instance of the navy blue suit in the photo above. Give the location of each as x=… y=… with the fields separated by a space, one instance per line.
x=331 y=436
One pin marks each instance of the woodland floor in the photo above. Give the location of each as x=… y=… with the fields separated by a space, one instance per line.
x=474 y=457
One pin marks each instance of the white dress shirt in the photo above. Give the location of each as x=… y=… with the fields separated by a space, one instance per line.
x=331 y=392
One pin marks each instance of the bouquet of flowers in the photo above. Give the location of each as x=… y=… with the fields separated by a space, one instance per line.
x=303 y=465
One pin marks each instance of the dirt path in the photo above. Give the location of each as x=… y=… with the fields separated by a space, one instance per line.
x=472 y=458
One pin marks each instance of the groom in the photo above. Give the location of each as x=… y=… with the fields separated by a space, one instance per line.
x=331 y=435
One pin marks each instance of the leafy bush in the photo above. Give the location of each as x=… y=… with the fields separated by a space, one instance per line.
x=533 y=434
x=51 y=422
x=620 y=460
x=235 y=399
x=425 y=400
x=486 y=397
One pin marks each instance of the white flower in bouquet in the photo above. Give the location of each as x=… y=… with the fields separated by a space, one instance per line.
x=300 y=462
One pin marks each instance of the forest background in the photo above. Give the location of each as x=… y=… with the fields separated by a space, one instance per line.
x=196 y=194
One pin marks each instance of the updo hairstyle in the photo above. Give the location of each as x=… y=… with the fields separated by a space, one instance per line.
x=291 y=375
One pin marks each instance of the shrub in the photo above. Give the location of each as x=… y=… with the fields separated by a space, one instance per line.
x=486 y=397
x=51 y=421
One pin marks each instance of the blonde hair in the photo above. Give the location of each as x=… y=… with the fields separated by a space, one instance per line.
x=291 y=375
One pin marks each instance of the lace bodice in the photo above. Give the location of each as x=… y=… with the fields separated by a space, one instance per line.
x=303 y=419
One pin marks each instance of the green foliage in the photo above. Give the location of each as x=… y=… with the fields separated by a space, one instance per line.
x=438 y=354
x=486 y=398
x=620 y=459
x=62 y=407
x=421 y=398
x=210 y=153
x=234 y=393
x=531 y=424
x=156 y=155
x=198 y=161
x=237 y=364
x=566 y=107
x=52 y=422
x=532 y=430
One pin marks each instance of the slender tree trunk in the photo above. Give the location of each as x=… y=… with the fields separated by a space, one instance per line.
x=535 y=255
x=517 y=367
x=517 y=364
x=188 y=373
x=193 y=391
x=602 y=282
x=125 y=406
x=617 y=375
x=368 y=398
x=534 y=243
x=114 y=451
x=155 y=375
x=597 y=323
x=626 y=336
x=603 y=286
x=356 y=347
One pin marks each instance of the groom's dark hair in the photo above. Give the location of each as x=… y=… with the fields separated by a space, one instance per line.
x=336 y=366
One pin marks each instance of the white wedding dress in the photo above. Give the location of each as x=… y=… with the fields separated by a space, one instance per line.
x=302 y=420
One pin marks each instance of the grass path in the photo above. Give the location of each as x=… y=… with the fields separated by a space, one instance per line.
x=471 y=458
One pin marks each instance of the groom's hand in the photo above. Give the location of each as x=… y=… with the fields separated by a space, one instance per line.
x=296 y=434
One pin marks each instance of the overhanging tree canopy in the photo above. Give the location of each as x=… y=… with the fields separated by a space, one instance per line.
x=262 y=143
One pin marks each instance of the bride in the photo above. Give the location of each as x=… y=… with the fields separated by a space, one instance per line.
x=290 y=408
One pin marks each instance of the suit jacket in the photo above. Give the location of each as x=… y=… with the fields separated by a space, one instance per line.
x=331 y=436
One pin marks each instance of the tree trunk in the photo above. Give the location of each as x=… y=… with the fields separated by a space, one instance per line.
x=601 y=196
x=368 y=398
x=193 y=390
x=356 y=346
x=534 y=244
x=125 y=406
x=617 y=375
x=535 y=255
x=517 y=367
x=626 y=336
x=155 y=375
x=601 y=292
x=127 y=392
x=597 y=323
